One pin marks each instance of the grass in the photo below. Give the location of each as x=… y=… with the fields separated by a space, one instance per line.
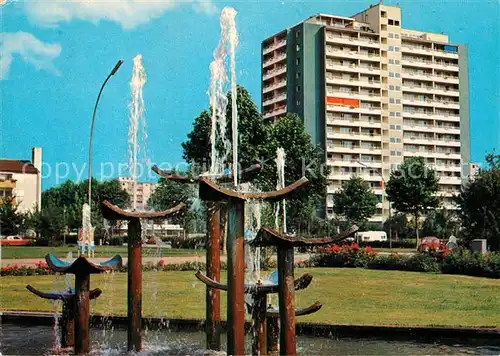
x=350 y=296
x=18 y=252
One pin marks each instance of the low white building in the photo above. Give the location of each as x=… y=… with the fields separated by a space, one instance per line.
x=22 y=179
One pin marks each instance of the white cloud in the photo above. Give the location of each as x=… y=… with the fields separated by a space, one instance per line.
x=127 y=13
x=33 y=51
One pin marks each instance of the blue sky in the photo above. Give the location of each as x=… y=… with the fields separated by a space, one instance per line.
x=55 y=55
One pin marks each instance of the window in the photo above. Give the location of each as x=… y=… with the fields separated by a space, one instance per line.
x=383 y=14
x=297 y=47
x=396 y=23
x=395 y=153
x=392 y=100
x=396 y=35
x=398 y=114
x=396 y=49
x=397 y=61
x=297 y=75
x=297 y=34
x=398 y=75
x=298 y=88
x=391 y=87
x=398 y=87
x=395 y=127
x=298 y=102
x=394 y=166
x=391 y=22
x=391 y=61
x=298 y=61
x=391 y=48
x=392 y=113
x=5 y=193
x=391 y=74
x=391 y=35
x=395 y=140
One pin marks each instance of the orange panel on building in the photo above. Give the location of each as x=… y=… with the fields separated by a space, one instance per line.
x=333 y=100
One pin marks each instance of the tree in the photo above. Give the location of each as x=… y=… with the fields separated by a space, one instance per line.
x=251 y=131
x=170 y=193
x=399 y=226
x=441 y=223
x=302 y=158
x=65 y=202
x=479 y=204
x=355 y=201
x=412 y=189
x=11 y=219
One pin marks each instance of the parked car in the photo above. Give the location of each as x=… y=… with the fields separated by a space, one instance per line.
x=14 y=240
x=429 y=243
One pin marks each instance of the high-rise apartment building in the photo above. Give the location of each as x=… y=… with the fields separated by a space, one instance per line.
x=372 y=93
x=143 y=191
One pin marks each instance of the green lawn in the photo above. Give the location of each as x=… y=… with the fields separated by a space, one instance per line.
x=17 y=252
x=351 y=296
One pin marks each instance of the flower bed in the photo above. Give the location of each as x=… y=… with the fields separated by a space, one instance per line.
x=437 y=260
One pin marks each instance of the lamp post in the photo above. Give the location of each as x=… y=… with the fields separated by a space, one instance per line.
x=383 y=181
x=115 y=69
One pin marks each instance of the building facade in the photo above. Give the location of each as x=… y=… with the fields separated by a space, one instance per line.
x=22 y=179
x=143 y=191
x=372 y=93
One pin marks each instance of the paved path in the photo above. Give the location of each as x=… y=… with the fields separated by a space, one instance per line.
x=145 y=260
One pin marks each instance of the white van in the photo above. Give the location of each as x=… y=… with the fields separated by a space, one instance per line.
x=371 y=236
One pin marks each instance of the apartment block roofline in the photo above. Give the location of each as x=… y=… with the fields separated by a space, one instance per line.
x=375 y=5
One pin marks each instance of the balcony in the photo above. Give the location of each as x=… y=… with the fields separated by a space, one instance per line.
x=277 y=58
x=416 y=49
x=368 y=109
x=369 y=69
x=417 y=88
x=445 y=54
x=279 y=111
x=276 y=85
x=369 y=83
x=418 y=140
x=369 y=56
x=349 y=40
x=418 y=153
x=446 y=117
x=274 y=46
x=447 y=104
x=274 y=72
x=368 y=42
x=447 y=129
x=446 y=66
x=419 y=128
x=415 y=62
x=275 y=99
x=334 y=52
x=415 y=101
x=444 y=91
x=447 y=142
x=446 y=78
x=416 y=75
x=418 y=114
x=343 y=67
x=331 y=79
x=447 y=155
x=355 y=122
x=447 y=167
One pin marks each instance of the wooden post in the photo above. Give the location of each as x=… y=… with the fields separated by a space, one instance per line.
x=286 y=301
x=273 y=330
x=236 y=278
x=82 y=314
x=213 y=272
x=134 y=285
x=259 y=344
x=68 y=322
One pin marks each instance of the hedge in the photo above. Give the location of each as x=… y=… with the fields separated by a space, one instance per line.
x=448 y=262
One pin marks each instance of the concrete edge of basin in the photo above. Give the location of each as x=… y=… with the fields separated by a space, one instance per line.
x=387 y=332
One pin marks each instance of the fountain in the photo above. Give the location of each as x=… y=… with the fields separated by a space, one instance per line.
x=76 y=303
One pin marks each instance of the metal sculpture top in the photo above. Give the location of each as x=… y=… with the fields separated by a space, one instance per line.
x=112 y=212
x=300 y=283
x=270 y=237
x=82 y=265
x=93 y=294
x=244 y=176
x=210 y=191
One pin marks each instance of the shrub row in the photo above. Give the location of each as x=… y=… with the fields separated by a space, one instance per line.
x=449 y=262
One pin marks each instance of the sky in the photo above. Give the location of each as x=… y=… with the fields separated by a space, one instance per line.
x=54 y=57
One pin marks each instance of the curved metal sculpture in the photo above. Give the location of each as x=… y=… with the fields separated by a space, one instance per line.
x=212 y=192
x=67 y=322
x=216 y=220
x=134 y=263
x=82 y=269
x=287 y=313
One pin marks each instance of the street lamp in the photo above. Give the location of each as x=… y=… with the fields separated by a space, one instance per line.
x=379 y=172
x=115 y=69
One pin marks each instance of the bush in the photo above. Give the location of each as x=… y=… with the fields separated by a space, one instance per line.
x=455 y=262
x=197 y=242
x=405 y=243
